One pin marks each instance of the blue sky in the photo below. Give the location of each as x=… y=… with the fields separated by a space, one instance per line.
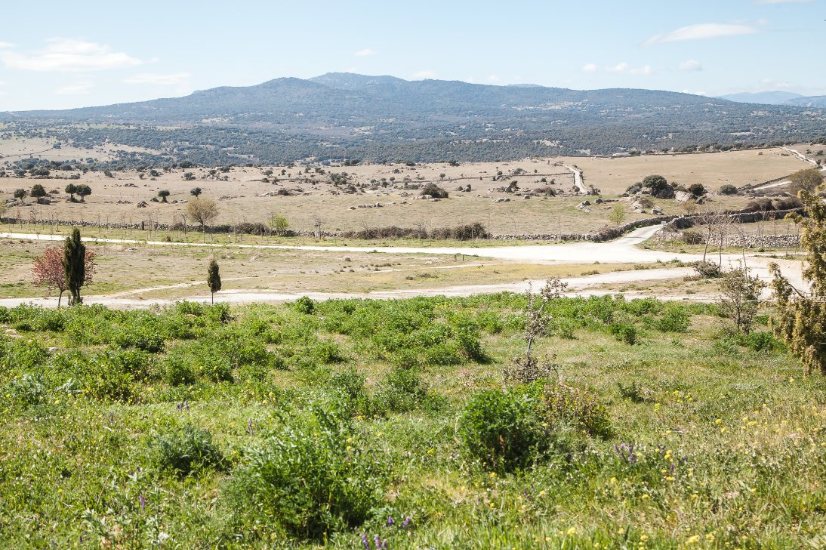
x=61 y=54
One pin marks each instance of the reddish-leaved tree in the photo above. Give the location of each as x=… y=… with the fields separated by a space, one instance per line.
x=48 y=270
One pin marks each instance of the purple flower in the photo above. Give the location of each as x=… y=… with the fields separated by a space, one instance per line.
x=142 y=501
x=390 y=521
x=365 y=542
x=380 y=544
x=407 y=521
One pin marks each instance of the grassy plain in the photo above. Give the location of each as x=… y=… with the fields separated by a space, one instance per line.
x=315 y=202
x=190 y=427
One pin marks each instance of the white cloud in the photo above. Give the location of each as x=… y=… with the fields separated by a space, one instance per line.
x=590 y=68
x=5 y=45
x=625 y=68
x=423 y=75
x=366 y=52
x=76 y=88
x=494 y=78
x=691 y=65
x=702 y=31
x=68 y=55
x=174 y=79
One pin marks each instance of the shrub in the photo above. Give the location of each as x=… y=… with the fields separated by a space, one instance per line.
x=692 y=237
x=502 y=429
x=634 y=392
x=728 y=189
x=761 y=341
x=708 y=270
x=187 y=451
x=309 y=480
x=566 y=404
x=305 y=305
x=624 y=332
x=26 y=391
x=697 y=189
x=178 y=371
x=401 y=391
x=674 y=319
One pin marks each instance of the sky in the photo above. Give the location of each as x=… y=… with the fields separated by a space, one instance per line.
x=61 y=54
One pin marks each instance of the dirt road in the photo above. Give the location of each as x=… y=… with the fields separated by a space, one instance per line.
x=623 y=250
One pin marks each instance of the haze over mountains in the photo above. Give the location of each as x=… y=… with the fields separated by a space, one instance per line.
x=778 y=98
x=379 y=118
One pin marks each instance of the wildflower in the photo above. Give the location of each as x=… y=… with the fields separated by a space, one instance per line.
x=390 y=521
x=571 y=531
x=710 y=537
x=365 y=542
x=693 y=539
x=407 y=521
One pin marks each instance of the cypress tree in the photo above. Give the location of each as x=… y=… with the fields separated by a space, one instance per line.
x=74 y=266
x=213 y=279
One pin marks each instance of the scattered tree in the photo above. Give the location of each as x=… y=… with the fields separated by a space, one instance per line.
x=195 y=192
x=74 y=266
x=434 y=191
x=728 y=189
x=801 y=317
x=617 y=214
x=48 y=270
x=84 y=191
x=202 y=211
x=805 y=180
x=659 y=187
x=163 y=194
x=279 y=224
x=213 y=279
x=740 y=297
x=37 y=191
x=20 y=194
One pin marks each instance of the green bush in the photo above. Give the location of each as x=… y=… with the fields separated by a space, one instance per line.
x=503 y=429
x=624 y=332
x=26 y=391
x=401 y=391
x=305 y=305
x=186 y=451
x=311 y=479
x=178 y=371
x=675 y=318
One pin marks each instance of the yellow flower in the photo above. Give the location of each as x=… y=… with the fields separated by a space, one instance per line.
x=571 y=531
x=693 y=539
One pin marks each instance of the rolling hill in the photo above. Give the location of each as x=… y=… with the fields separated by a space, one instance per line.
x=343 y=115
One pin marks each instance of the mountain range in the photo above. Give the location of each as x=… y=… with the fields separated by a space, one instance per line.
x=380 y=118
x=778 y=98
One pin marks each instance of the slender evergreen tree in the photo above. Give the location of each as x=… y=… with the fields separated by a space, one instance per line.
x=213 y=279
x=74 y=266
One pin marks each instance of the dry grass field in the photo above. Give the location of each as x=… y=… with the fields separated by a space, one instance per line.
x=378 y=196
x=613 y=175
x=146 y=272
